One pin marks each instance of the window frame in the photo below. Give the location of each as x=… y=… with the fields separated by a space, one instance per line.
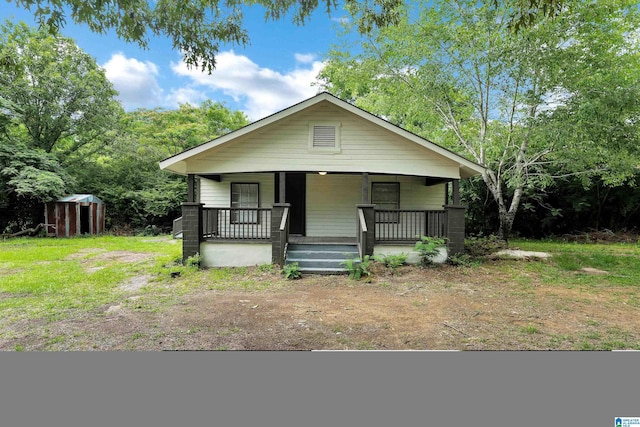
x=234 y=217
x=389 y=217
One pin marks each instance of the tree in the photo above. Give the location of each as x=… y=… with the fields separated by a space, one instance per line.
x=126 y=173
x=196 y=28
x=58 y=107
x=454 y=73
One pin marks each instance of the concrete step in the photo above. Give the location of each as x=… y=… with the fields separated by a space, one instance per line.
x=321 y=259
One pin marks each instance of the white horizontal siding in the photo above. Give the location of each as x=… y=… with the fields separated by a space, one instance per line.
x=413 y=193
x=218 y=194
x=332 y=200
x=331 y=204
x=365 y=147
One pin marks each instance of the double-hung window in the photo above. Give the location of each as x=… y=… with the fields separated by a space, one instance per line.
x=386 y=197
x=245 y=199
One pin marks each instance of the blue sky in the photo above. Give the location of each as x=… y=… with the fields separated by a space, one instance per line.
x=275 y=70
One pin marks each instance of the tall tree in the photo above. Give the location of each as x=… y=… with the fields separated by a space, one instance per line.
x=58 y=106
x=454 y=73
x=126 y=174
x=196 y=28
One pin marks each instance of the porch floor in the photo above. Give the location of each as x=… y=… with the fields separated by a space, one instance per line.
x=309 y=240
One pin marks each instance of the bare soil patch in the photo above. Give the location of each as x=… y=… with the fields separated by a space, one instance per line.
x=480 y=308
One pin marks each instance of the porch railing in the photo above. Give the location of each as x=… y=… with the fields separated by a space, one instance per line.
x=236 y=223
x=409 y=225
x=177 y=228
x=362 y=233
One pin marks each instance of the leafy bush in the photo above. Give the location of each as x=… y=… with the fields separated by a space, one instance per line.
x=194 y=261
x=462 y=260
x=481 y=246
x=358 y=267
x=427 y=247
x=292 y=271
x=392 y=261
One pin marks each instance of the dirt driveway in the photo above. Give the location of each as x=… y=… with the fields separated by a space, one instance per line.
x=492 y=307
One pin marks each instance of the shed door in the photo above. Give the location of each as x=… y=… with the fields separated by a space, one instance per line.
x=85 y=220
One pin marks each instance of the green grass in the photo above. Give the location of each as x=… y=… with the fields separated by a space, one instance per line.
x=620 y=261
x=45 y=277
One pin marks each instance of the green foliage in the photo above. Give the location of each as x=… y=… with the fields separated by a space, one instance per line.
x=195 y=28
x=64 y=98
x=392 y=261
x=266 y=268
x=194 y=261
x=126 y=174
x=558 y=98
x=428 y=248
x=357 y=267
x=462 y=260
x=292 y=271
x=480 y=246
x=58 y=107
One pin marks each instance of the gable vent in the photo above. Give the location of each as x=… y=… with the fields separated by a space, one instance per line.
x=324 y=136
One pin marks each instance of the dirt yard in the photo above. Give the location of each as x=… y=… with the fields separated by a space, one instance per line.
x=496 y=306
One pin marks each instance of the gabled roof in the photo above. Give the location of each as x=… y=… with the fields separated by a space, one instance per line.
x=80 y=198
x=176 y=163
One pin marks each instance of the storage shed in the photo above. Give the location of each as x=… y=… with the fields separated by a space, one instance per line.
x=75 y=215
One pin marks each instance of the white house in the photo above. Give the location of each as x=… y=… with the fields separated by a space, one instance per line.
x=319 y=172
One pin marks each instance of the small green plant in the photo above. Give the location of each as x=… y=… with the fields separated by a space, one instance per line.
x=194 y=261
x=462 y=260
x=427 y=247
x=266 y=268
x=392 y=261
x=358 y=267
x=530 y=330
x=483 y=245
x=292 y=271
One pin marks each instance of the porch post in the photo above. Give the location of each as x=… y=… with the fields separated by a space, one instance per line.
x=191 y=229
x=279 y=239
x=365 y=188
x=369 y=218
x=191 y=188
x=455 y=228
x=281 y=186
x=456 y=192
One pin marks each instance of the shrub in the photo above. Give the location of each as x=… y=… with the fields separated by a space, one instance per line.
x=358 y=267
x=392 y=261
x=481 y=246
x=194 y=261
x=292 y=271
x=427 y=247
x=462 y=260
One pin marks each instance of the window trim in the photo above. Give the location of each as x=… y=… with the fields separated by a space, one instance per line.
x=233 y=219
x=391 y=217
x=336 y=148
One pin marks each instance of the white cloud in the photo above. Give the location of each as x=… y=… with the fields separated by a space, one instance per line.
x=185 y=95
x=305 y=58
x=134 y=80
x=261 y=90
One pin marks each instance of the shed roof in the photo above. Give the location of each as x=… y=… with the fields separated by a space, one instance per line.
x=77 y=198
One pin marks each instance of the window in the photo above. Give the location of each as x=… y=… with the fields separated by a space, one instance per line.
x=244 y=202
x=324 y=137
x=386 y=197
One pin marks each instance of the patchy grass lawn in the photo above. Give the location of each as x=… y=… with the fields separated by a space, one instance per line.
x=128 y=293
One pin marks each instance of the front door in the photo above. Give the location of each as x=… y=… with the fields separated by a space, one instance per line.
x=296 y=195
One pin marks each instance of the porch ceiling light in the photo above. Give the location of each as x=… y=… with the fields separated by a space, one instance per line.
x=322 y=173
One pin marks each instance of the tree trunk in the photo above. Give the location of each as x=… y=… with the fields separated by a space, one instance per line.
x=506 y=216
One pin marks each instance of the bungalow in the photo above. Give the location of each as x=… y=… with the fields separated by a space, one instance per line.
x=314 y=183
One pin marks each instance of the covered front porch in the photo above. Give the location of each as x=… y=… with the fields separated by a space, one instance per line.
x=317 y=209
